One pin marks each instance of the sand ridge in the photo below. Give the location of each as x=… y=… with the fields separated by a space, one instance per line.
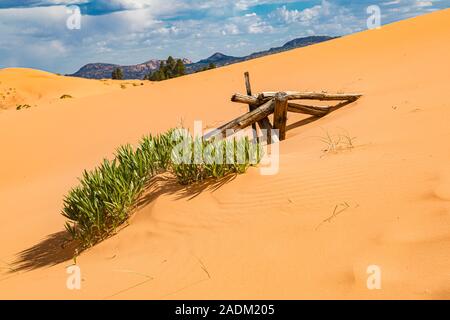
x=31 y=88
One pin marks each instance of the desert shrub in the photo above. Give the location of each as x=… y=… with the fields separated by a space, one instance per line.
x=219 y=158
x=23 y=106
x=336 y=142
x=66 y=96
x=107 y=195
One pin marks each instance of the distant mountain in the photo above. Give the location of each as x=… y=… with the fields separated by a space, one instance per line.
x=217 y=58
x=220 y=59
x=139 y=71
x=104 y=70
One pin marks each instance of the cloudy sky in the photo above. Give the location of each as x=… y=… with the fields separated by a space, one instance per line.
x=34 y=33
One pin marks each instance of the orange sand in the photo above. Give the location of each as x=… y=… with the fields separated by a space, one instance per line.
x=256 y=236
x=36 y=88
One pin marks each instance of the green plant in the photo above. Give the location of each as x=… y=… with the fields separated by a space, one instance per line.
x=107 y=195
x=218 y=159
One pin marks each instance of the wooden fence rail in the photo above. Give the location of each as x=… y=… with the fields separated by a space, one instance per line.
x=262 y=105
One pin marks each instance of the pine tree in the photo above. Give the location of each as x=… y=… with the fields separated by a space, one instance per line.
x=180 y=68
x=168 y=69
x=171 y=62
x=117 y=74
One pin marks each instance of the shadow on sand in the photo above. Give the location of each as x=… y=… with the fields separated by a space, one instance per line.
x=57 y=248
x=51 y=251
x=312 y=119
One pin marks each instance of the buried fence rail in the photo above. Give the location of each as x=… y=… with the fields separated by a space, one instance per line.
x=264 y=104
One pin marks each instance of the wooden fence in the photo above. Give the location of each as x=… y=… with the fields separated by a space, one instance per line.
x=262 y=105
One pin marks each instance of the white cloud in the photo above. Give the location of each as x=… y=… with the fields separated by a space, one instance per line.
x=424 y=3
x=249 y=23
x=230 y=29
x=325 y=18
x=38 y=37
x=390 y=3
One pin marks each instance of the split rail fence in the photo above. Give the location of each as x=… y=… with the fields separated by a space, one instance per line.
x=264 y=104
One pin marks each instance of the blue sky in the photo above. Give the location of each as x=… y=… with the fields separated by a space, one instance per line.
x=34 y=32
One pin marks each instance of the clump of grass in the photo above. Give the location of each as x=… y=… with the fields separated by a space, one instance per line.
x=66 y=96
x=337 y=142
x=23 y=106
x=108 y=194
x=123 y=86
x=218 y=159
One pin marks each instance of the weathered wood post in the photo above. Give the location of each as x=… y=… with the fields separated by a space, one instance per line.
x=280 y=114
x=251 y=108
x=264 y=123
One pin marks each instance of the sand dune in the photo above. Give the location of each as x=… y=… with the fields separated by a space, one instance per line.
x=33 y=88
x=255 y=236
